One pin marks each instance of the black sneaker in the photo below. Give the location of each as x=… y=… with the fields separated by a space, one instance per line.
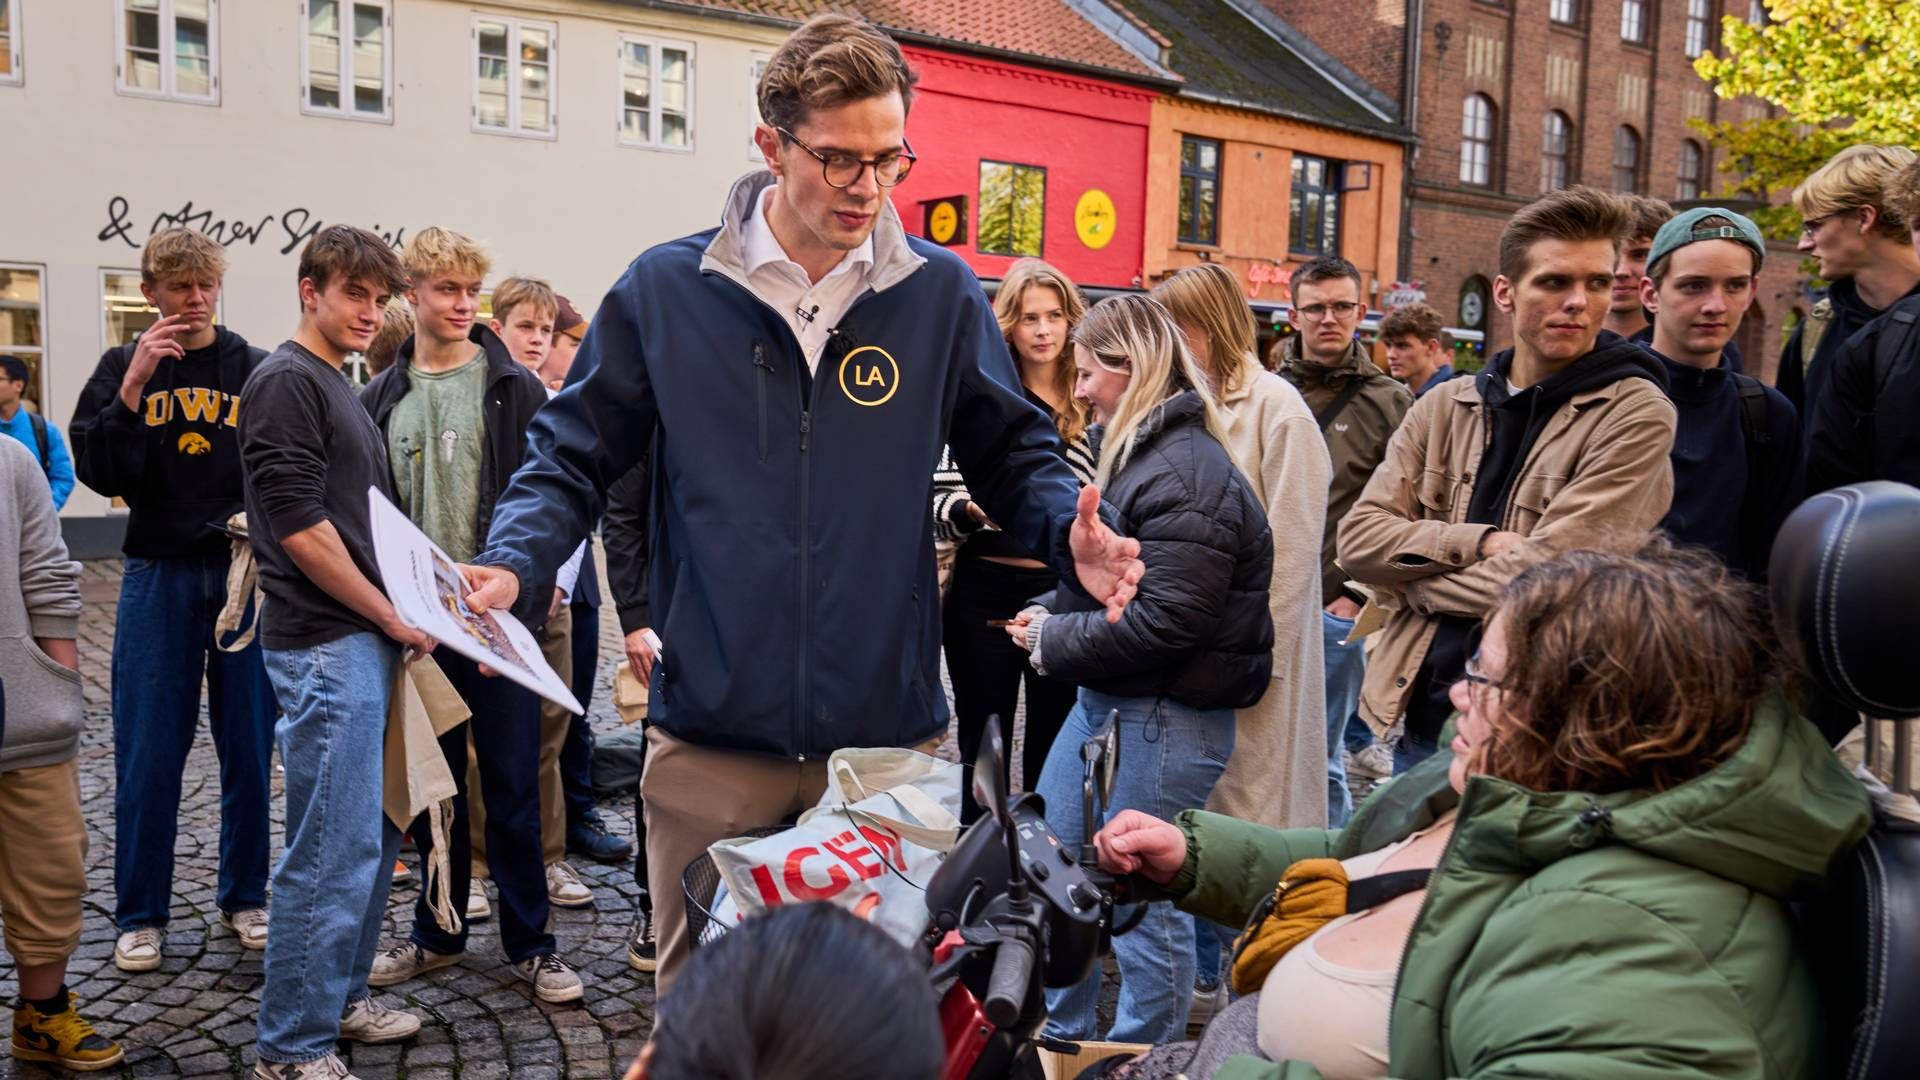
x=642 y=949
x=589 y=836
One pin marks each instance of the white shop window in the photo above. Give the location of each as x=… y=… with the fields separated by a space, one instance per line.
x=513 y=77
x=23 y=321
x=346 y=58
x=10 y=73
x=656 y=93
x=169 y=49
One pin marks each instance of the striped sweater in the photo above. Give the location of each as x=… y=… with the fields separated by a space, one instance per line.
x=950 y=498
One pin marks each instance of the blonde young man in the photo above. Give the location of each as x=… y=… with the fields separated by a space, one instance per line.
x=454 y=410
x=1561 y=438
x=812 y=358
x=158 y=426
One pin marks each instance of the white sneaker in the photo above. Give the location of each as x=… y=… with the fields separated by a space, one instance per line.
x=368 y=1021
x=139 y=950
x=1207 y=1004
x=250 y=926
x=404 y=961
x=478 y=910
x=564 y=887
x=326 y=1068
x=1373 y=762
x=553 y=979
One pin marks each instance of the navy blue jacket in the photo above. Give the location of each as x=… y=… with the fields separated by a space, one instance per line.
x=791 y=570
x=1717 y=504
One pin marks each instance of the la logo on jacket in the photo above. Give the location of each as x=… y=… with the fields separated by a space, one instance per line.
x=869 y=376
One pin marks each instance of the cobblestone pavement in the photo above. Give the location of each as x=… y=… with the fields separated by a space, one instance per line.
x=195 y=1015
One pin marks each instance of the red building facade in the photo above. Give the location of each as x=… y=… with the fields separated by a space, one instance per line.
x=1028 y=162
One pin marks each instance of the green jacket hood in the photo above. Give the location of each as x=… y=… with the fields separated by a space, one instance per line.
x=1773 y=817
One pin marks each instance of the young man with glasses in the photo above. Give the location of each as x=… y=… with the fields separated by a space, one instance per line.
x=1562 y=438
x=1861 y=244
x=1358 y=407
x=795 y=373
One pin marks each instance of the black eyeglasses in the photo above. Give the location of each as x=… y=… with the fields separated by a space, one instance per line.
x=842 y=170
x=1318 y=312
x=1812 y=225
x=1475 y=678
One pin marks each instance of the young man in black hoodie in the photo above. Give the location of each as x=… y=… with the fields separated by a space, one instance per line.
x=1736 y=455
x=156 y=425
x=454 y=409
x=1860 y=243
x=1562 y=438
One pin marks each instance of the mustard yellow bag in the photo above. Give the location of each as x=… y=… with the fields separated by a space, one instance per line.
x=1311 y=894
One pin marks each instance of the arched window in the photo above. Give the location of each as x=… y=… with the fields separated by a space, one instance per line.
x=1626 y=159
x=1699 y=26
x=1476 y=141
x=1693 y=170
x=1556 y=152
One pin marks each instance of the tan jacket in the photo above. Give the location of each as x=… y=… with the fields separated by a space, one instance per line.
x=1277 y=775
x=1600 y=466
x=1356 y=438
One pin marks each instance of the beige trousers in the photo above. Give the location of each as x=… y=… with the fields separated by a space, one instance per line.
x=556 y=644
x=43 y=862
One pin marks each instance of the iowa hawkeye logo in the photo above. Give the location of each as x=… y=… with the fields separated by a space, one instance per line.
x=869 y=376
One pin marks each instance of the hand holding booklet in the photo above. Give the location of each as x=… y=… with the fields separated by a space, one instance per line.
x=429 y=593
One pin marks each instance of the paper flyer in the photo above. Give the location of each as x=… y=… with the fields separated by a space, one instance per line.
x=429 y=594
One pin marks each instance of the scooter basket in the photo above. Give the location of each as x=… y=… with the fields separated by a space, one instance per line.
x=701 y=880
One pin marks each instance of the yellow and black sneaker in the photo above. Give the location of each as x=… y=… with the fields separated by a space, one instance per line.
x=62 y=1038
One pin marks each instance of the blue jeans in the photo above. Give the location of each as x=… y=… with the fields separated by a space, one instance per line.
x=506 y=738
x=1359 y=736
x=1170 y=758
x=330 y=889
x=1346 y=670
x=1210 y=940
x=576 y=754
x=1411 y=750
x=163 y=644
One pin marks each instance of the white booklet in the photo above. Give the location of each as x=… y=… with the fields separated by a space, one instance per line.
x=426 y=589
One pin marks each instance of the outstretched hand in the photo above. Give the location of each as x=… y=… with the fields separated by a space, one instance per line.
x=1137 y=843
x=1107 y=564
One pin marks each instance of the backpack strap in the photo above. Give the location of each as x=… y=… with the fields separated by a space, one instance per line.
x=1894 y=341
x=1339 y=404
x=42 y=442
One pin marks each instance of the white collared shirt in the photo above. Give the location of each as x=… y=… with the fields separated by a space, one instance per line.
x=783 y=285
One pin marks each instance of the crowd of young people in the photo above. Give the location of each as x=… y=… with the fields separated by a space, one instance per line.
x=1282 y=578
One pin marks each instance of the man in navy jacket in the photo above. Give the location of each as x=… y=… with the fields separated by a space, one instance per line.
x=796 y=372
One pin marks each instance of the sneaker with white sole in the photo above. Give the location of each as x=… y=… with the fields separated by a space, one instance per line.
x=553 y=979
x=323 y=1068
x=368 y=1021
x=564 y=887
x=478 y=910
x=1373 y=762
x=404 y=961
x=139 y=950
x=250 y=926
x=1207 y=1003
x=643 y=949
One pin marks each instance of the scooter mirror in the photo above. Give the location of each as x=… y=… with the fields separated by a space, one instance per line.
x=990 y=772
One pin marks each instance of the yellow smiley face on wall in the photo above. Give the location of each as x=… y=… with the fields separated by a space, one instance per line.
x=869 y=376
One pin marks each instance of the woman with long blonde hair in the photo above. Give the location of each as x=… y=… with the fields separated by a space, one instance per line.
x=993 y=577
x=1279 y=774
x=1194 y=644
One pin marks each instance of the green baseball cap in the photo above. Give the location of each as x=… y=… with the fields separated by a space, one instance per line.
x=1684 y=228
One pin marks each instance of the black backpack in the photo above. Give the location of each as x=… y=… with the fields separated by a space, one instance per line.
x=1895 y=340
x=42 y=443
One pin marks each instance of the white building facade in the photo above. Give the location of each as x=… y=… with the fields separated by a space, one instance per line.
x=567 y=135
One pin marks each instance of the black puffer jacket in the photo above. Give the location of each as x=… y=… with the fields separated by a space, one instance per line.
x=1198 y=632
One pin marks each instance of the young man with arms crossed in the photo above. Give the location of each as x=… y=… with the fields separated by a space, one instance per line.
x=796 y=371
x=32 y=429
x=1862 y=244
x=454 y=410
x=1419 y=349
x=333 y=645
x=1736 y=450
x=1358 y=407
x=158 y=426
x=1563 y=437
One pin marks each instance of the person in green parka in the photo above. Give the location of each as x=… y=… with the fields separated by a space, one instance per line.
x=1628 y=806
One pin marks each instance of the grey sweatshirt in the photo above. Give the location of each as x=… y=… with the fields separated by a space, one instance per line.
x=39 y=598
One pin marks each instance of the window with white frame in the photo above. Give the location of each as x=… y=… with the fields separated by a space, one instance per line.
x=1693 y=170
x=1633 y=21
x=170 y=49
x=23 y=323
x=1699 y=28
x=1476 y=141
x=347 y=62
x=1564 y=11
x=756 y=70
x=513 y=77
x=656 y=93
x=9 y=42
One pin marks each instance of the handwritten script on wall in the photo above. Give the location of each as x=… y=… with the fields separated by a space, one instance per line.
x=286 y=230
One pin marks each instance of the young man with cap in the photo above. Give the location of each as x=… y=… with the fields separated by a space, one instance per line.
x=1867 y=427
x=158 y=426
x=1560 y=439
x=25 y=424
x=1736 y=449
x=796 y=371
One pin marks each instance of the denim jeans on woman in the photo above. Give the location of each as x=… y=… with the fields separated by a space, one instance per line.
x=165 y=642
x=330 y=889
x=1346 y=670
x=1170 y=758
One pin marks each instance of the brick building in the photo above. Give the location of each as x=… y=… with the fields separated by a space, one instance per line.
x=1510 y=98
